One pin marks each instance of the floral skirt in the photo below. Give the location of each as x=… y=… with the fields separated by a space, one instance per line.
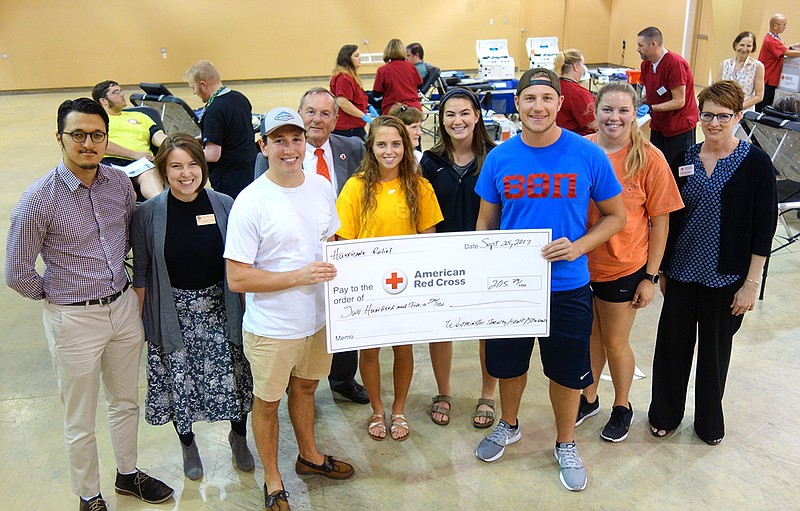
x=208 y=379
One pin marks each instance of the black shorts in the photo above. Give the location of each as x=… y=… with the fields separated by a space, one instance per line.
x=565 y=354
x=620 y=290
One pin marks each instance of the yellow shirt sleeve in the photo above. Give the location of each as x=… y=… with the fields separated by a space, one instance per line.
x=348 y=206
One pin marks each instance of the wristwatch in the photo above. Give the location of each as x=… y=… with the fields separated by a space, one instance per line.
x=651 y=278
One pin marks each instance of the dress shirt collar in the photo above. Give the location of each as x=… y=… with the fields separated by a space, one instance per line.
x=72 y=181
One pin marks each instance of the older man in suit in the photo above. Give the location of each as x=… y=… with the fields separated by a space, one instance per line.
x=319 y=111
x=335 y=157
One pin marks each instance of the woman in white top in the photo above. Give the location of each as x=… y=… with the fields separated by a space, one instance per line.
x=745 y=70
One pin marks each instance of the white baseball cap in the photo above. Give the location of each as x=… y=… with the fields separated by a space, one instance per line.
x=278 y=117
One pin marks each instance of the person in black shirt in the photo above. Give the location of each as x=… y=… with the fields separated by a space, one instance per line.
x=196 y=368
x=452 y=167
x=227 y=130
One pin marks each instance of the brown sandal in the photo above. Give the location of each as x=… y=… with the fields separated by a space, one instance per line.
x=377 y=419
x=489 y=414
x=399 y=422
x=441 y=398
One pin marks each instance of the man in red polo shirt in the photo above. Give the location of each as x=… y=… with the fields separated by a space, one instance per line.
x=772 y=54
x=670 y=99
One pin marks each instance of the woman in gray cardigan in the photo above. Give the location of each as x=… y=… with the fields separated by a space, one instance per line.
x=196 y=369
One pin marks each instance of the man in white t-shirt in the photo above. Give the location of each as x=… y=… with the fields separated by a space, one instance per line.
x=274 y=255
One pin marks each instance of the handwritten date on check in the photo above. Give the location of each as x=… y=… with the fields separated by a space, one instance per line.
x=437 y=287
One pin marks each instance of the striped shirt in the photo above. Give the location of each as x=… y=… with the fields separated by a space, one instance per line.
x=81 y=233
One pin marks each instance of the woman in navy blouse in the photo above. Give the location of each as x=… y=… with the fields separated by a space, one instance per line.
x=712 y=267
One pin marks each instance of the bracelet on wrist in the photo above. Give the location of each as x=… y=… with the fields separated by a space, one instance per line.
x=757 y=283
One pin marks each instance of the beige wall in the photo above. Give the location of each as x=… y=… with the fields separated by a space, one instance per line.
x=582 y=30
x=64 y=44
x=725 y=18
x=628 y=17
x=247 y=39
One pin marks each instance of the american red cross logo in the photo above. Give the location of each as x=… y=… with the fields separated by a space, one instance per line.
x=394 y=280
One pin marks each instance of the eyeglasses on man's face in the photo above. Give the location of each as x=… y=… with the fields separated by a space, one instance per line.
x=324 y=114
x=79 y=137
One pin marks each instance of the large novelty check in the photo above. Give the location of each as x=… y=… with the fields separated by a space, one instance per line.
x=437 y=287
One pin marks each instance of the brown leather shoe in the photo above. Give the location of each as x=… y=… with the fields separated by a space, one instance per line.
x=95 y=504
x=330 y=468
x=277 y=500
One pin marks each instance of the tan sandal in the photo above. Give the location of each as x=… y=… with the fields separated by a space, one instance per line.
x=377 y=421
x=489 y=414
x=441 y=398
x=399 y=422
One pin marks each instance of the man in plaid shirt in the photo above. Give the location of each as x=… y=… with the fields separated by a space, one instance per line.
x=77 y=218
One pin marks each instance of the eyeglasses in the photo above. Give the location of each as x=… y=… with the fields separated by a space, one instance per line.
x=79 y=137
x=722 y=118
x=326 y=116
x=119 y=92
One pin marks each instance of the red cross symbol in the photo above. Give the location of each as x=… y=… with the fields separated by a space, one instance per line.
x=394 y=280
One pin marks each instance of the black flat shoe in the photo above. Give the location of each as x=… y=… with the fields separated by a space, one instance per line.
x=352 y=391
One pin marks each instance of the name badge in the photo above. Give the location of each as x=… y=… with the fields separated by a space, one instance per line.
x=206 y=219
x=661 y=91
x=686 y=170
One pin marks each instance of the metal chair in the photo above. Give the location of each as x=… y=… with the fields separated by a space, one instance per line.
x=430 y=80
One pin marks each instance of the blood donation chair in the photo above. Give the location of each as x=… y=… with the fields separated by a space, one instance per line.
x=778 y=133
x=177 y=116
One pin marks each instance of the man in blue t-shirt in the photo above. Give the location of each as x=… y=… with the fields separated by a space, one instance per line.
x=543 y=179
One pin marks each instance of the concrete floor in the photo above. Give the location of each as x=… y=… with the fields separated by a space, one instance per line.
x=755 y=467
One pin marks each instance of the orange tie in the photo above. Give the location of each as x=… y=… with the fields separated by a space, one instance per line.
x=322 y=167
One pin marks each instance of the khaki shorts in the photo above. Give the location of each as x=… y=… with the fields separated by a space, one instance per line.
x=273 y=361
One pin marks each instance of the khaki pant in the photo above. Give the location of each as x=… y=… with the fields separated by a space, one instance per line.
x=88 y=343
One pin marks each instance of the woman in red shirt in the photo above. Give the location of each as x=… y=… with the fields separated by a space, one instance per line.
x=398 y=79
x=346 y=86
x=577 y=111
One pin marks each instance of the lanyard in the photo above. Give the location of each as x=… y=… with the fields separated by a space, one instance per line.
x=219 y=91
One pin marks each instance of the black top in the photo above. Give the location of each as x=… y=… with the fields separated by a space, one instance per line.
x=455 y=193
x=749 y=213
x=193 y=252
x=228 y=122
